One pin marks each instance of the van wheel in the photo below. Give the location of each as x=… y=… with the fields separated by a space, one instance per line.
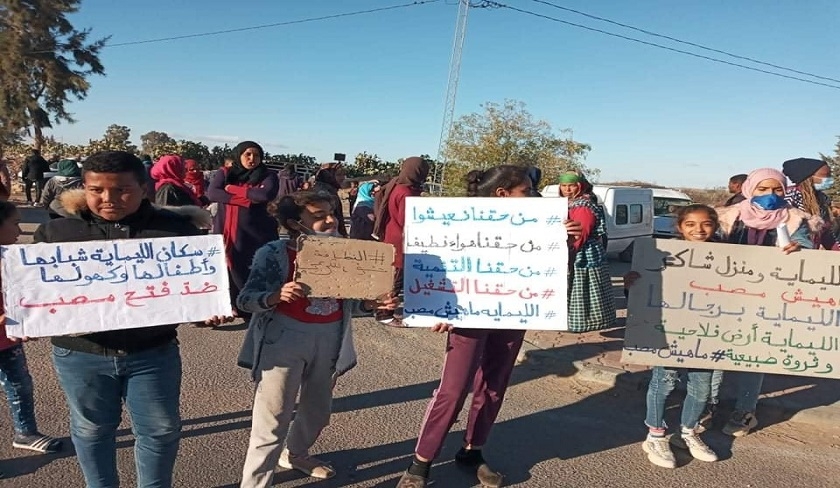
x=627 y=254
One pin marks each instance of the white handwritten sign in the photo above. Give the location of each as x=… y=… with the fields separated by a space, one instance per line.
x=491 y=263
x=81 y=287
x=722 y=306
x=335 y=267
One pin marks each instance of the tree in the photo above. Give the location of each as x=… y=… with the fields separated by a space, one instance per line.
x=371 y=165
x=508 y=134
x=116 y=138
x=44 y=62
x=834 y=163
x=155 y=143
x=192 y=150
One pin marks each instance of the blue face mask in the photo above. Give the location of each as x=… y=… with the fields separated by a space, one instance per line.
x=825 y=184
x=771 y=201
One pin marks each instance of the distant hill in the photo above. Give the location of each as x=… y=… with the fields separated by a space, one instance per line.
x=709 y=196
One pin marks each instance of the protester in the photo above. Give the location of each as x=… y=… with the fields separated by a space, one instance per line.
x=753 y=222
x=290 y=182
x=480 y=360
x=34 y=168
x=243 y=192
x=294 y=345
x=535 y=174
x=5 y=179
x=735 y=189
x=353 y=194
x=69 y=177
x=811 y=178
x=694 y=223
x=329 y=179
x=139 y=367
x=14 y=372
x=389 y=212
x=150 y=187
x=171 y=189
x=195 y=180
x=591 y=297
x=362 y=217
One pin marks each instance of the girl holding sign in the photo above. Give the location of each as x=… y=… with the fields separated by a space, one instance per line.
x=763 y=219
x=480 y=360
x=294 y=345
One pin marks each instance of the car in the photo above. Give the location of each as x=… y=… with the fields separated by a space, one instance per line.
x=665 y=204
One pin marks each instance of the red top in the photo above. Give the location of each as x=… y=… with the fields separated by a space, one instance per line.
x=396 y=223
x=5 y=343
x=587 y=220
x=314 y=311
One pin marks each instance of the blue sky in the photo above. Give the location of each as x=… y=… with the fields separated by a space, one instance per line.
x=376 y=83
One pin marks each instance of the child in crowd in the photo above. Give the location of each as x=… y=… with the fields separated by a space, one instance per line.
x=14 y=373
x=695 y=223
x=294 y=345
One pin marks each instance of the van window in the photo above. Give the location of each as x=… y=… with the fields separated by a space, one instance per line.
x=621 y=215
x=667 y=206
x=635 y=214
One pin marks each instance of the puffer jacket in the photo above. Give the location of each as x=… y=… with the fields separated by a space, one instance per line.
x=148 y=222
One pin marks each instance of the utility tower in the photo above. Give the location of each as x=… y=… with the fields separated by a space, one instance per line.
x=451 y=90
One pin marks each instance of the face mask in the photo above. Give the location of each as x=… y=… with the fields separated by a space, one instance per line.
x=770 y=201
x=316 y=233
x=825 y=184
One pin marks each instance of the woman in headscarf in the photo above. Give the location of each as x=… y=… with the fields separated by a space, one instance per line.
x=243 y=192
x=389 y=213
x=69 y=177
x=361 y=218
x=811 y=178
x=195 y=178
x=329 y=178
x=170 y=188
x=591 y=297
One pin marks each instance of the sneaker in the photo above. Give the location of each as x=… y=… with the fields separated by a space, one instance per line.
x=487 y=476
x=740 y=424
x=409 y=480
x=707 y=419
x=692 y=442
x=659 y=452
x=308 y=465
x=37 y=442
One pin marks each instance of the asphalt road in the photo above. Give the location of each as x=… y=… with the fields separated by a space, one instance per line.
x=554 y=431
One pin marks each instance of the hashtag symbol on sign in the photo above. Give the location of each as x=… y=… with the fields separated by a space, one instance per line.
x=547 y=294
x=550 y=314
x=718 y=355
x=212 y=252
x=553 y=220
x=377 y=257
x=549 y=272
x=555 y=246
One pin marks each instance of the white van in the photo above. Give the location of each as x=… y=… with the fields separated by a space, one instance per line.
x=629 y=213
x=665 y=203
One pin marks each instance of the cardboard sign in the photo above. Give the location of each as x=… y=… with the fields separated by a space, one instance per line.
x=333 y=267
x=489 y=263
x=745 y=308
x=80 y=287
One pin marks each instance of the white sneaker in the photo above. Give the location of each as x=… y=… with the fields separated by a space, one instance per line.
x=659 y=452
x=694 y=444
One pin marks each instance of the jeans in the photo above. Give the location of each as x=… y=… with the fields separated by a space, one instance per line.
x=17 y=383
x=747 y=390
x=714 y=391
x=149 y=382
x=661 y=385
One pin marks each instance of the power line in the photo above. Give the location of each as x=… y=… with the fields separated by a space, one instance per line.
x=660 y=46
x=268 y=26
x=688 y=43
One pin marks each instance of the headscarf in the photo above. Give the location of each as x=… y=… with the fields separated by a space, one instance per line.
x=573 y=178
x=535 y=175
x=170 y=170
x=327 y=175
x=194 y=177
x=757 y=218
x=237 y=174
x=413 y=172
x=365 y=196
x=69 y=169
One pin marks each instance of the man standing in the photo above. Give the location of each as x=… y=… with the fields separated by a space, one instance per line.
x=735 y=188
x=34 y=169
x=139 y=367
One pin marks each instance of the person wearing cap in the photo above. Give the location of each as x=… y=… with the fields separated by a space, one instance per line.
x=811 y=178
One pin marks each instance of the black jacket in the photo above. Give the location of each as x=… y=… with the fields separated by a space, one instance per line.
x=34 y=168
x=147 y=222
x=170 y=195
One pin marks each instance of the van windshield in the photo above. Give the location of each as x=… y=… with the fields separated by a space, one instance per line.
x=667 y=206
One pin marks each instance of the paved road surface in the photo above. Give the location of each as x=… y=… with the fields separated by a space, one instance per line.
x=553 y=432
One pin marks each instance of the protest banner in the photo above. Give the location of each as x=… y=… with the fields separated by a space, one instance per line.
x=80 y=287
x=730 y=307
x=333 y=267
x=490 y=263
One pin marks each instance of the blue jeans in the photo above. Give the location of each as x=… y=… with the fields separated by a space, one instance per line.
x=149 y=382
x=714 y=391
x=747 y=389
x=17 y=383
x=662 y=384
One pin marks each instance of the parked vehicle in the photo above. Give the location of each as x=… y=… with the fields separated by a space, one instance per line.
x=628 y=211
x=665 y=203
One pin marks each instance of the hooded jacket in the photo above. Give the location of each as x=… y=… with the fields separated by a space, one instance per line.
x=148 y=222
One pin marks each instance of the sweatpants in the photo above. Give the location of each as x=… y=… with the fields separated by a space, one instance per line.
x=481 y=359
x=295 y=356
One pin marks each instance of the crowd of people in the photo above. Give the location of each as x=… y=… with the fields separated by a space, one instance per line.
x=296 y=347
